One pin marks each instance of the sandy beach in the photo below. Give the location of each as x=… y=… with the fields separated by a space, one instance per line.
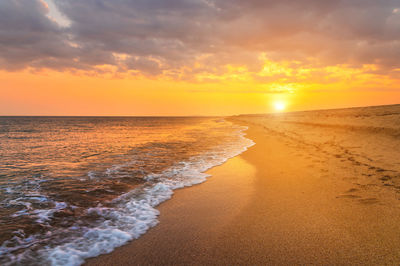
x=317 y=188
x=199 y=132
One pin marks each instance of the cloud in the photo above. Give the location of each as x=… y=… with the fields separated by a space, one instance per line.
x=182 y=38
x=28 y=37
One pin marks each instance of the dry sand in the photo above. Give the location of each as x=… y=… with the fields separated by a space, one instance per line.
x=315 y=189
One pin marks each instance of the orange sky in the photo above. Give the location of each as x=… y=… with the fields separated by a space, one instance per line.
x=200 y=64
x=56 y=93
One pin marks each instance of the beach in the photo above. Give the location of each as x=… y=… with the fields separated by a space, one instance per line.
x=199 y=132
x=318 y=187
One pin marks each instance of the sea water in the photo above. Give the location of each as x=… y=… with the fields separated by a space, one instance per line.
x=77 y=187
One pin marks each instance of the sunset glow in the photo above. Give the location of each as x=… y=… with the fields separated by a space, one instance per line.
x=248 y=132
x=279 y=106
x=209 y=60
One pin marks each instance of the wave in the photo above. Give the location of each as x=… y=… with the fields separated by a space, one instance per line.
x=131 y=215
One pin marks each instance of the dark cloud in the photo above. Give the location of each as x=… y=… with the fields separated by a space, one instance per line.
x=146 y=65
x=28 y=37
x=173 y=36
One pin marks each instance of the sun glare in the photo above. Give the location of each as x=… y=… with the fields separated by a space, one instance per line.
x=279 y=106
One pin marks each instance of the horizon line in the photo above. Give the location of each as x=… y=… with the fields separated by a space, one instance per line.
x=161 y=116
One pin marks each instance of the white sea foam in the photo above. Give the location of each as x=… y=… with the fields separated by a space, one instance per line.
x=134 y=213
x=91 y=175
x=45 y=215
x=42 y=215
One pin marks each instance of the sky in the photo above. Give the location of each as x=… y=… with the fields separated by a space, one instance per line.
x=196 y=57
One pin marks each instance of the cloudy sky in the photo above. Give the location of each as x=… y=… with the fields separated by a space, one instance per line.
x=138 y=57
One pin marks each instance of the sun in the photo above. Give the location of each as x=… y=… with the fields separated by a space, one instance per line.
x=279 y=106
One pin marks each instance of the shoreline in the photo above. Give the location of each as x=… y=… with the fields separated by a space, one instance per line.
x=279 y=202
x=191 y=207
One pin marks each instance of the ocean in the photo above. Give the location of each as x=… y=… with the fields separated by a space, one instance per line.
x=77 y=187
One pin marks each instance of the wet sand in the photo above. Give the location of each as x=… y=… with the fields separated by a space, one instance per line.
x=293 y=198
